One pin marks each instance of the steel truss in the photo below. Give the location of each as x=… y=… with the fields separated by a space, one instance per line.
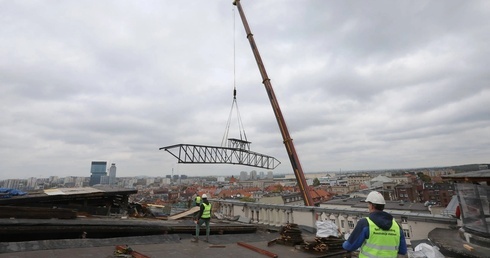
x=201 y=154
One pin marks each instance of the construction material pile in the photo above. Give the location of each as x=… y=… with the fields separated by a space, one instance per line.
x=290 y=235
x=127 y=252
x=325 y=244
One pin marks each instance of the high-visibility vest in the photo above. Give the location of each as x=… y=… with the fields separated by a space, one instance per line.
x=206 y=214
x=381 y=243
x=198 y=200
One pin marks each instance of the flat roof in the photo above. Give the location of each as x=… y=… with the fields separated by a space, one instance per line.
x=170 y=245
x=57 y=194
x=480 y=175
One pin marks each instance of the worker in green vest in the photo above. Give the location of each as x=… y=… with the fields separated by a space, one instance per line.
x=204 y=216
x=198 y=200
x=378 y=235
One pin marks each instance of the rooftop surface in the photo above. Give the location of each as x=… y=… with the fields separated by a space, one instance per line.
x=172 y=245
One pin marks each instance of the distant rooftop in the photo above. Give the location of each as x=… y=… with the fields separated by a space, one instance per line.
x=358 y=203
x=480 y=175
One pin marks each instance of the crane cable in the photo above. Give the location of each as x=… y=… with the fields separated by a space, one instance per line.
x=234 y=104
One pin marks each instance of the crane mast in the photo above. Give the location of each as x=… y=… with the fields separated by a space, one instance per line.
x=288 y=141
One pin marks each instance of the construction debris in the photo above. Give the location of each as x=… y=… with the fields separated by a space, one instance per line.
x=325 y=244
x=126 y=251
x=290 y=235
x=217 y=246
x=468 y=247
x=87 y=200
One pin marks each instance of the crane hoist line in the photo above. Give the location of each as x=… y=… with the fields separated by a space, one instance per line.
x=232 y=150
x=288 y=141
x=241 y=128
x=235 y=151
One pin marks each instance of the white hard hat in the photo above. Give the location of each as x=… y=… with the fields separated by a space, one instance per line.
x=204 y=196
x=376 y=198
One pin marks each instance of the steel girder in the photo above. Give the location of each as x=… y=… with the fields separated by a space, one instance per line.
x=201 y=154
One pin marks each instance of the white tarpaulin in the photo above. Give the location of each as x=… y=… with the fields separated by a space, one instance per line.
x=428 y=251
x=326 y=228
x=67 y=191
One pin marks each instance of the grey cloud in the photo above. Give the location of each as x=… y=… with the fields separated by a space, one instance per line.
x=361 y=85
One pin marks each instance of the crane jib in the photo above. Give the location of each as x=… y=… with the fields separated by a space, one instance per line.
x=288 y=142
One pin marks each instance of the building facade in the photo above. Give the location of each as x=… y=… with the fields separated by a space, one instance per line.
x=253 y=175
x=243 y=176
x=97 y=170
x=438 y=193
x=112 y=174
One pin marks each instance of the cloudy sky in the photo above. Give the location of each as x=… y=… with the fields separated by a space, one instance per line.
x=361 y=84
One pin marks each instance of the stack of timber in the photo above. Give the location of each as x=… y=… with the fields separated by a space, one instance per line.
x=290 y=235
x=329 y=244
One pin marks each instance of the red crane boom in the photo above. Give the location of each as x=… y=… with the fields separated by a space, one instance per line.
x=288 y=141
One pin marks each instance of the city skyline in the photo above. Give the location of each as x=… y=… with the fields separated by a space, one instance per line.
x=264 y=174
x=361 y=85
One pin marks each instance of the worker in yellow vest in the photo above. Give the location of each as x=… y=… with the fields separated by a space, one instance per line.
x=204 y=216
x=198 y=200
x=378 y=235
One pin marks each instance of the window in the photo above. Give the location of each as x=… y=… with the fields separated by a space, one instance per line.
x=342 y=224
x=333 y=221
x=351 y=224
x=406 y=233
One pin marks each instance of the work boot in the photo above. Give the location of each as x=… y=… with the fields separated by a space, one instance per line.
x=195 y=239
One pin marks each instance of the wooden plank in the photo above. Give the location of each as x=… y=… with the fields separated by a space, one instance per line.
x=258 y=250
x=217 y=246
x=185 y=213
x=468 y=247
x=127 y=250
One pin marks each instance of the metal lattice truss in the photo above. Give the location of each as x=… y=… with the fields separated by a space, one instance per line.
x=201 y=154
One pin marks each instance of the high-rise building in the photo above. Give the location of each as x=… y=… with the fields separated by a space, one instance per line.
x=31 y=182
x=270 y=175
x=243 y=176
x=97 y=170
x=253 y=175
x=104 y=180
x=176 y=178
x=112 y=174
